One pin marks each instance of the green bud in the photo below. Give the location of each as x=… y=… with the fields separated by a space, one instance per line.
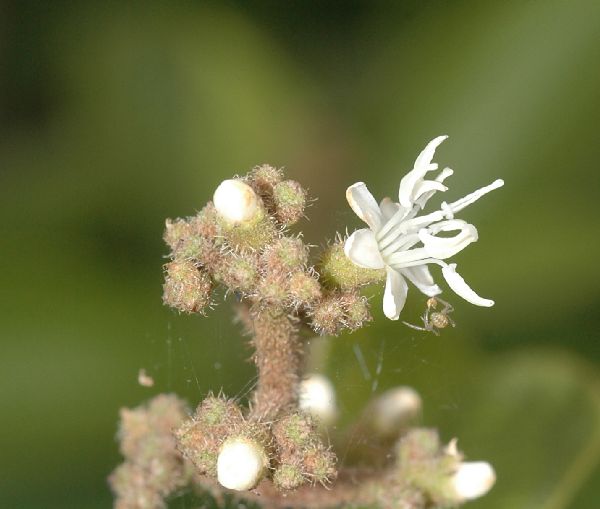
x=272 y=290
x=337 y=270
x=289 y=199
x=288 y=477
x=218 y=411
x=252 y=235
x=319 y=463
x=356 y=310
x=264 y=178
x=186 y=287
x=304 y=288
x=238 y=272
x=285 y=255
x=328 y=315
x=294 y=431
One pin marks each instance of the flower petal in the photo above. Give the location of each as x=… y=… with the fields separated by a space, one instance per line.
x=364 y=205
x=394 y=296
x=461 y=288
x=446 y=247
x=426 y=186
x=426 y=155
x=473 y=479
x=388 y=209
x=421 y=278
x=406 y=192
x=362 y=249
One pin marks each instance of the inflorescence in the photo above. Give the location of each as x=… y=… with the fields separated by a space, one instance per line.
x=275 y=447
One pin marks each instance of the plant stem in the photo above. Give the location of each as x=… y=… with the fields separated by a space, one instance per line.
x=278 y=356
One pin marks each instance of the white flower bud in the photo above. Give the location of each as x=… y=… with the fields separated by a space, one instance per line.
x=241 y=464
x=317 y=397
x=236 y=201
x=473 y=479
x=394 y=409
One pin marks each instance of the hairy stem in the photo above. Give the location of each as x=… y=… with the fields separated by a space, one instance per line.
x=278 y=355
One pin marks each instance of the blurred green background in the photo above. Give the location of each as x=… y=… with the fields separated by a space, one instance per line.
x=116 y=115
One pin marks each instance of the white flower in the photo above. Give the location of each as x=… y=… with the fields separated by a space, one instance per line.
x=473 y=479
x=404 y=243
x=394 y=409
x=241 y=464
x=236 y=201
x=317 y=397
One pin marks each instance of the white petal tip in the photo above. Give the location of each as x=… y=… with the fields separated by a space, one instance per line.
x=317 y=397
x=460 y=287
x=473 y=479
x=236 y=201
x=241 y=464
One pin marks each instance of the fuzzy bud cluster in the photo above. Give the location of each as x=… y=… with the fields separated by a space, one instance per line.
x=239 y=451
x=239 y=241
x=338 y=311
x=302 y=456
x=200 y=437
x=152 y=469
x=284 y=199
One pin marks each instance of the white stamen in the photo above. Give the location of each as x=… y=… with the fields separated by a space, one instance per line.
x=458 y=205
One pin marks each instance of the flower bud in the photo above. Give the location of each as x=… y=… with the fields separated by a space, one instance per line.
x=290 y=200
x=285 y=255
x=236 y=201
x=473 y=479
x=265 y=178
x=288 y=477
x=241 y=464
x=304 y=288
x=186 y=288
x=317 y=397
x=175 y=231
x=237 y=272
x=394 y=410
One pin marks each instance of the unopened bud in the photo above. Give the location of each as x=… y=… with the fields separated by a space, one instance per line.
x=238 y=272
x=328 y=315
x=394 y=409
x=317 y=397
x=186 y=287
x=265 y=177
x=236 y=201
x=284 y=255
x=288 y=477
x=473 y=479
x=241 y=464
x=304 y=288
x=290 y=200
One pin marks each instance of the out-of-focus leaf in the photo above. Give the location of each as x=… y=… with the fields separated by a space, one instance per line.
x=535 y=415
